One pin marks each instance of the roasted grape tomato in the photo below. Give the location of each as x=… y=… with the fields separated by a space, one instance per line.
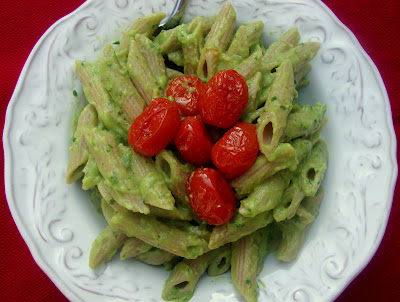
x=236 y=151
x=186 y=91
x=224 y=99
x=155 y=127
x=211 y=196
x=193 y=141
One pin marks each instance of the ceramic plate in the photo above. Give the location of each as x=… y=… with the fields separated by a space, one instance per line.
x=57 y=220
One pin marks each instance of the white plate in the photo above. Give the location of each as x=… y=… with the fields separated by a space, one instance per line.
x=57 y=220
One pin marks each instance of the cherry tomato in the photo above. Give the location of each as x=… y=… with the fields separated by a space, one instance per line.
x=236 y=151
x=193 y=141
x=224 y=99
x=186 y=91
x=211 y=196
x=155 y=127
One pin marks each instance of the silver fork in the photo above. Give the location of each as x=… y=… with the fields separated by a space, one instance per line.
x=176 y=15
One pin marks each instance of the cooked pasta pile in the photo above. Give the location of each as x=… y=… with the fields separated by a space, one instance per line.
x=144 y=199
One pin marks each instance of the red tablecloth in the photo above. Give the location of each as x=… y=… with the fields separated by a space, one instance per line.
x=375 y=23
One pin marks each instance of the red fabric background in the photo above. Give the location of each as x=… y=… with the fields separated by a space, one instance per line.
x=375 y=23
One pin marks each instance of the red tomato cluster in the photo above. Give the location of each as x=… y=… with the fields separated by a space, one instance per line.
x=220 y=103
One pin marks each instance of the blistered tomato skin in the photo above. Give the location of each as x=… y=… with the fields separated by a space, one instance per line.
x=236 y=151
x=155 y=127
x=186 y=91
x=193 y=141
x=210 y=196
x=224 y=99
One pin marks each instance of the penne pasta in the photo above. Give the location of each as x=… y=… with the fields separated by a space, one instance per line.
x=272 y=122
x=284 y=158
x=121 y=185
x=217 y=41
x=183 y=278
x=78 y=151
x=119 y=85
x=98 y=96
x=105 y=246
x=155 y=256
x=133 y=247
x=145 y=26
x=314 y=168
x=175 y=174
x=244 y=266
x=144 y=199
x=148 y=229
x=292 y=236
x=238 y=227
x=139 y=71
x=192 y=40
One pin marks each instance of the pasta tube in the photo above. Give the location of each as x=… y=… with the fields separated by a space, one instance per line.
x=314 y=168
x=175 y=174
x=290 y=202
x=254 y=85
x=168 y=40
x=250 y=66
x=181 y=282
x=265 y=196
x=92 y=174
x=119 y=85
x=217 y=41
x=238 y=227
x=107 y=210
x=289 y=40
x=152 y=186
x=78 y=152
x=307 y=120
x=220 y=261
x=155 y=256
x=284 y=157
x=98 y=96
x=121 y=183
x=148 y=229
x=146 y=25
x=173 y=74
x=105 y=246
x=133 y=247
x=272 y=122
x=298 y=56
x=292 y=236
x=96 y=200
x=141 y=75
x=244 y=39
x=192 y=40
x=154 y=59
x=244 y=266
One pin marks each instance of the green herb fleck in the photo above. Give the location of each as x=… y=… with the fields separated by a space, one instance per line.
x=113 y=180
x=273 y=99
x=238 y=224
x=110 y=101
x=75 y=93
x=126 y=160
x=116 y=42
x=112 y=201
x=248 y=281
